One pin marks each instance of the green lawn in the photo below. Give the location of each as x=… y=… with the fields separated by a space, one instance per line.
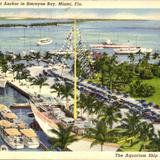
x=155 y=82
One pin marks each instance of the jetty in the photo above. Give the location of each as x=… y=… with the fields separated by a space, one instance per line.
x=20 y=105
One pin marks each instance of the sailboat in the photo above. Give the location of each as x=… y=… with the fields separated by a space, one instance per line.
x=44 y=41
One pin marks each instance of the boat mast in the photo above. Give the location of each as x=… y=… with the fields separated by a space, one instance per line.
x=75 y=71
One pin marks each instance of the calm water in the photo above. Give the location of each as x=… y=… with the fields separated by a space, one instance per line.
x=8 y=96
x=141 y=33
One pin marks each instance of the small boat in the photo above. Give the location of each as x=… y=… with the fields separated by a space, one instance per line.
x=4 y=108
x=44 y=41
x=3 y=148
x=11 y=117
x=13 y=138
x=5 y=124
x=30 y=138
x=131 y=50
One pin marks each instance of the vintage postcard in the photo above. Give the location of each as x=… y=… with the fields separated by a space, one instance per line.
x=79 y=79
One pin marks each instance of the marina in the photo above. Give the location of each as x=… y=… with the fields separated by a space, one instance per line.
x=79 y=85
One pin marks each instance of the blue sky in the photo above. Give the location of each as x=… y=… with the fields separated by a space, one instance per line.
x=82 y=13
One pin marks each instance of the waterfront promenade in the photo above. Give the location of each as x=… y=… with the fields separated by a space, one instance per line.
x=28 y=89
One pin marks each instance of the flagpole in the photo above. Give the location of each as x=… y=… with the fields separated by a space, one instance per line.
x=75 y=71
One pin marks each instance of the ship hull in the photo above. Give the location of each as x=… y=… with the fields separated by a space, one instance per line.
x=110 y=46
x=44 y=122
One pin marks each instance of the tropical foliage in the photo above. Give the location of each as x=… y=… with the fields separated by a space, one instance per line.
x=63 y=137
x=39 y=81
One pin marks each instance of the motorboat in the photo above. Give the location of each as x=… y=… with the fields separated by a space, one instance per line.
x=4 y=109
x=13 y=138
x=3 y=148
x=44 y=41
x=131 y=50
x=5 y=124
x=30 y=138
x=11 y=117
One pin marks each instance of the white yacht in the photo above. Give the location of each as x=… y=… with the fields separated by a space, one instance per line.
x=13 y=138
x=11 y=117
x=44 y=41
x=132 y=50
x=30 y=138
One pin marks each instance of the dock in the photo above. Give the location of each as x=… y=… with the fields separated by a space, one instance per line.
x=20 y=105
x=24 y=93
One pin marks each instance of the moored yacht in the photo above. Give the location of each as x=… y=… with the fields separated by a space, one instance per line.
x=130 y=50
x=5 y=124
x=11 y=117
x=30 y=138
x=13 y=138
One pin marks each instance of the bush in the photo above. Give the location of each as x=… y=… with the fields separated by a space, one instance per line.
x=146 y=74
x=139 y=89
x=156 y=70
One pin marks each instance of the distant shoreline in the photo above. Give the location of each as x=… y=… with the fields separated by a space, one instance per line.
x=69 y=21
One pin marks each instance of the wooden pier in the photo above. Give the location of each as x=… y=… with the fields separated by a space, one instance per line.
x=20 y=105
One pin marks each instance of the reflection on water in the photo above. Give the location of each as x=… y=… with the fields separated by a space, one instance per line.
x=8 y=96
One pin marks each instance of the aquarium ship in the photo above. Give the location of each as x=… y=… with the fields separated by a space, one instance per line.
x=109 y=44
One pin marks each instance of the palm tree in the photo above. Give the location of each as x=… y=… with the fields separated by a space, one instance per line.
x=110 y=114
x=4 y=67
x=39 y=81
x=65 y=90
x=131 y=125
x=63 y=137
x=18 y=57
x=154 y=144
x=25 y=74
x=27 y=58
x=18 y=68
x=101 y=134
x=82 y=102
x=156 y=55
x=88 y=103
x=148 y=129
x=131 y=58
x=37 y=56
x=47 y=55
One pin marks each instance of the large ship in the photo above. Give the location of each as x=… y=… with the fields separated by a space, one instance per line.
x=109 y=44
x=41 y=116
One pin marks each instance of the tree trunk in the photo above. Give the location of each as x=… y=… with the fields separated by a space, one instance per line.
x=40 y=87
x=101 y=147
x=67 y=102
x=131 y=142
x=81 y=112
